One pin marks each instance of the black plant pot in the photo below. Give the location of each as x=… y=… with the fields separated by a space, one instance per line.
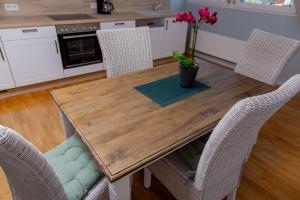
x=187 y=75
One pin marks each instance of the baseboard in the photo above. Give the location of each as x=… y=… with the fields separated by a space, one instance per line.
x=163 y=61
x=83 y=70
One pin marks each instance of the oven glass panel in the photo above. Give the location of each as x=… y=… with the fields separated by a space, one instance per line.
x=80 y=49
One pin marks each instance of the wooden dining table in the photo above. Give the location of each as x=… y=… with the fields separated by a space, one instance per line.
x=126 y=131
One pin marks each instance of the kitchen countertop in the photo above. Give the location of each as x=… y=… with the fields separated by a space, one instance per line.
x=43 y=20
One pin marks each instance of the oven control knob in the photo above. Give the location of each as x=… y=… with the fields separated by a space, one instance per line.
x=95 y=27
x=62 y=30
x=66 y=29
x=84 y=28
x=74 y=29
x=91 y=28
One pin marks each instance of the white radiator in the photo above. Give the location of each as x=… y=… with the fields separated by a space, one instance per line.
x=220 y=46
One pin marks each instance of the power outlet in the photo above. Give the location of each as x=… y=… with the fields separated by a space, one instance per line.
x=11 y=7
x=93 y=5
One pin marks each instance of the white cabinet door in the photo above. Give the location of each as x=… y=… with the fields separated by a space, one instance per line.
x=6 y=79
x=174 y=38
x=156 y=35
x=34 y=60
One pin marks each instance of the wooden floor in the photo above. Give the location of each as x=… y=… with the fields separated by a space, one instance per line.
x=272 y=172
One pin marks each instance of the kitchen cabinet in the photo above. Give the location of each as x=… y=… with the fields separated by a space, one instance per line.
x=166 y=36
x=174 y=37
x=117 y=25
x=34 y=60
x=156 y=26
x=6 y=78
x=156 y=35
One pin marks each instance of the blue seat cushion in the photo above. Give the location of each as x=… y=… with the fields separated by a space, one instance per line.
x=75 y=167
x=191 y=153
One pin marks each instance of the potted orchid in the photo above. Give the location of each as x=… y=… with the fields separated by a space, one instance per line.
x=187 y=67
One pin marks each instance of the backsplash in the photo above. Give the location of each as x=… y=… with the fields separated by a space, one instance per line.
x=42 y=7
x=135 y=5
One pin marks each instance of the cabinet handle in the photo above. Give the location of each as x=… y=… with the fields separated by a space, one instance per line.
x=29 y=30
x=79 y=36
x=2 y=55
x=56 y=45
x=167 y=25
x=150 y=24
x=119 y=24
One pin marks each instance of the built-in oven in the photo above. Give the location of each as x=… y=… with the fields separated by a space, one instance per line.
x=79 y=45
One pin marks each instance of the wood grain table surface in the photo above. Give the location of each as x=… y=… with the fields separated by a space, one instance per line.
x=126 y=130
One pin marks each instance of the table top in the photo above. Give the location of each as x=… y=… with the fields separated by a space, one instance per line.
x=125 y=130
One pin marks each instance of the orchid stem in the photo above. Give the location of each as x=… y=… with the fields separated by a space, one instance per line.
x=195 y=33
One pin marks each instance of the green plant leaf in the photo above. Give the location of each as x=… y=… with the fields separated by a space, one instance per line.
x=187 y=62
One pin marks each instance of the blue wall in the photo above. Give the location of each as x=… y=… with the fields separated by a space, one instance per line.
x=239 y=24
x=177 y=5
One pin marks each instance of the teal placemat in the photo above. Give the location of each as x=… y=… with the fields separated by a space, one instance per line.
x=167 y=91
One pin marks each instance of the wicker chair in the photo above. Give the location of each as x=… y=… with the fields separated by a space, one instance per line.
x=31 y=177
x=219 y=168
x=125 y=50
x=265 y=56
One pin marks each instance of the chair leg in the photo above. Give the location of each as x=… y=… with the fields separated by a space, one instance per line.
x=249 y=152
x=232 y=195
x=147 y=178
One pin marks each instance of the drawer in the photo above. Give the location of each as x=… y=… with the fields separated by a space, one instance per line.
x=152 y=23
x=27 y=33
x=117 y=25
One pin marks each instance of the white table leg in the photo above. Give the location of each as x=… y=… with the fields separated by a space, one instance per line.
x=121 y=189
x=67 y=126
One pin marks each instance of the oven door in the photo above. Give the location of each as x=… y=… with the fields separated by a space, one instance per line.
x=79 y=49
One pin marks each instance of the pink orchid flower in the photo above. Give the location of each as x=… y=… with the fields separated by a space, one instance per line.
x=190 y=17
x=185 y=17
x=203 y=13
x=213 y=18
x=206 y=16
x=180 y=17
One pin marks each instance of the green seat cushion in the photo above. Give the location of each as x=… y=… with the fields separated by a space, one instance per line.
x=75 y=167
x=191 y=153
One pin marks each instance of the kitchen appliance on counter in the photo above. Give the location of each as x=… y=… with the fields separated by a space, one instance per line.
x=79 y=47
x=104 y=7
